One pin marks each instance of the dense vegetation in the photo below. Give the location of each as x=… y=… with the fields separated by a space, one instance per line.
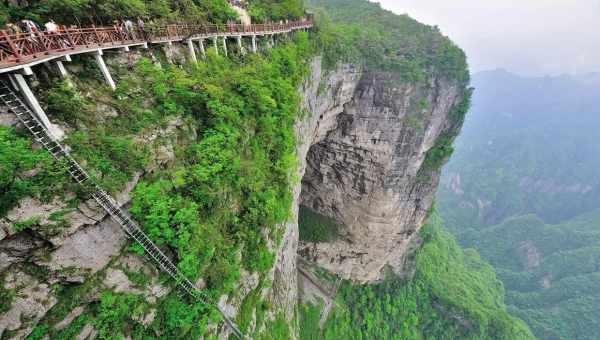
x=243 y=158
x=453 y=295
x=218 y=206
x=25 y=172
x=550 y=271
x=361 y=31
x=268 y=10
x=103 y=12
x=524 y=190
x=314 y=227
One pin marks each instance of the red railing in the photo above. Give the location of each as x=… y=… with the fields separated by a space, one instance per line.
x=24 y=47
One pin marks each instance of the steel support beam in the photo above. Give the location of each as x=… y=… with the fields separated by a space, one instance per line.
x=105 y=72
x=61 y=69
x=190 y=44
x=35 y=106
x=202 y=50
x=239 y=43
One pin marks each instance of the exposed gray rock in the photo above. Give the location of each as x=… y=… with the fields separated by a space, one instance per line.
x=175 y=53
x=323 y=99
x=32 y=208
x=6 y=118
x=147 y=318
x=87 y=333
x=77 y=311
x=89 y=249
x=368 y=135
x=117 y=280
x=18 y=248
x=32 y=300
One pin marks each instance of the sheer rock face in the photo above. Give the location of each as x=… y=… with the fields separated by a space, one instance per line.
x=323 y=100
x=363 y=145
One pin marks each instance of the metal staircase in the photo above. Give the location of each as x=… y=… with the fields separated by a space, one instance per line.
x=16 y=106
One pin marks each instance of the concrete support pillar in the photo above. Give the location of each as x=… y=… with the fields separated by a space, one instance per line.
x=272 y=41
x=61 y=69
x=254 y=48
x=216 y=45
x=104 y=70
x=35 y=106
x=225 y=45
x=192 y=52
x=126 y=49
x=239 y=43
x=27 y=71
x=202 y=50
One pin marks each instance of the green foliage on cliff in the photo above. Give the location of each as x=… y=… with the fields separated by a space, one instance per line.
x=243 y=158
x=361 y=31
x=441 y=151
x=453 y=295
x=25 y=171
x=103 y=12
x=314 y=227
x=6 y=296
x=218 y=205
x=275 y=10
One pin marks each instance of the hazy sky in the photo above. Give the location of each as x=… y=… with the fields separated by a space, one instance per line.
x=529 y=37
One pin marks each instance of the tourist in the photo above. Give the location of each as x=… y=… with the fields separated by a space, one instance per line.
x=118 y=26
x=51 y=27
x=13 y=29
x=129 y=28
x=141 y=28
x=29 y=26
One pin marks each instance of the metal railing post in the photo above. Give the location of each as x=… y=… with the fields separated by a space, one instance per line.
x=13 y=47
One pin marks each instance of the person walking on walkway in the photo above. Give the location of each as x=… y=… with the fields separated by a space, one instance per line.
x=51 y=27
x=129 y=29
x=142 y=28
x=13 y=29
x=29 y=26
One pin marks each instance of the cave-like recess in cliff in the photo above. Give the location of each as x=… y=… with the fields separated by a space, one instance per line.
x=319 y=220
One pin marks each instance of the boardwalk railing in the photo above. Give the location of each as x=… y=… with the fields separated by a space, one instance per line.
x=24 y=47
x=16 y=106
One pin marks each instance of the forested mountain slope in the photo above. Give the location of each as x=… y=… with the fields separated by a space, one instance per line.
x=529 y=146
x=523 y=189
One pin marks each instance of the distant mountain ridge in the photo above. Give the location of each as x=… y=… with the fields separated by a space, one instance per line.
x=523 y=189
x=529 y=145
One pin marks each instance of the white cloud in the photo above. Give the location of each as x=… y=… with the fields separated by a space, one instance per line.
x=528 y=36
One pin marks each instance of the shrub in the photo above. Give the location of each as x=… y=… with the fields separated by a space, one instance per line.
x=315 y=227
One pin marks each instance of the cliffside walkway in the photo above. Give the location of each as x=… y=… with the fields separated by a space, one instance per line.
x=21 y=51
x=25 y=115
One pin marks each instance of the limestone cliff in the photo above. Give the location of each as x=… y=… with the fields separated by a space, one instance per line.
x=363 y=147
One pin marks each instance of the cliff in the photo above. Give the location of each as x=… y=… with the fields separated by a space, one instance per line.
x=362 y=158
x=215 y=160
